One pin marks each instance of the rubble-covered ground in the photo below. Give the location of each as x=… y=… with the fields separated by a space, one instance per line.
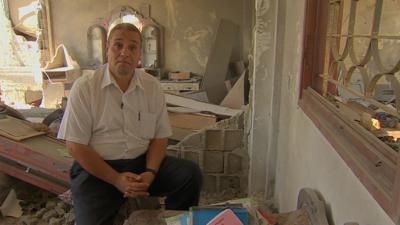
x=39 y=206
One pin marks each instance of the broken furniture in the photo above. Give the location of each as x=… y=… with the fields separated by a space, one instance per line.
x=189 y=115
x=33 y=157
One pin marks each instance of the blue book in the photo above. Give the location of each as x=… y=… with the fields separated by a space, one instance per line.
x=203 y=215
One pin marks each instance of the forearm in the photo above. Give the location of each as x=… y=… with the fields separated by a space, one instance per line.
x=156 y=153
x=92 y=162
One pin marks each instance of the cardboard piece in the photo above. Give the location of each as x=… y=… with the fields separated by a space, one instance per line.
x=16 y=129
x=176 y=100
x=10 y=206
x=61 y=68
x=179 y=75
x=235 y=97
x=218 y=61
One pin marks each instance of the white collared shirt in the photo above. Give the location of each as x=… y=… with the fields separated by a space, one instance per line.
x=116 y=125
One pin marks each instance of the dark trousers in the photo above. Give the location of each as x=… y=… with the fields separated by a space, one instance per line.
x=97 y=202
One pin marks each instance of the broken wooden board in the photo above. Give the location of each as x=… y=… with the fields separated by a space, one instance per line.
x=40 y=161
x=191 y=121
x=176 y=100
x=17 y=129
x=218 y=61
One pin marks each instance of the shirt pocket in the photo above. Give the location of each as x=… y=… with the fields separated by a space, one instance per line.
x=147 y=125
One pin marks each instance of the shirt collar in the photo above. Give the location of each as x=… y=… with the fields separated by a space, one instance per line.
x=109 y=80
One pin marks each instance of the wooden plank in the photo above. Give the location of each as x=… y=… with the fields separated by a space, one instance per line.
x=180 y=133
x=179 y=75
x=16 y=129
x=202 y=106
x=218 y=61
x=191 y=121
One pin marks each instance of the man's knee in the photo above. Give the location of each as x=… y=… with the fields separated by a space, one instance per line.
x=193 y=171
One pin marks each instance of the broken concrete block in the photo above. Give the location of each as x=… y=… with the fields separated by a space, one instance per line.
x=234 y=163
x=40 y=213
x=213 y=162
x=191 y=156
x=233 y=139
x=209 y=183
x=214 y=140
x=195 y=140
x=28 y=220
x=49 y=214
x=56 y=221
x=229 y=182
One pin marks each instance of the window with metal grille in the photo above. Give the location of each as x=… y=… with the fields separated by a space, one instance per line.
x=351 y=89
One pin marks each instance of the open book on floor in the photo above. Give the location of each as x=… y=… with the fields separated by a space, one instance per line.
x=226 y=217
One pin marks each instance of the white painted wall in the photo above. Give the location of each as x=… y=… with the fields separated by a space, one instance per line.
x=305 y=158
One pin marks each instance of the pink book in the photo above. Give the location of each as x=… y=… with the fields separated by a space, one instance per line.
x=226 y=217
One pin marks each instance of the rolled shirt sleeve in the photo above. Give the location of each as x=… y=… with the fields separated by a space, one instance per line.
x=76 y=125
x=163 y=127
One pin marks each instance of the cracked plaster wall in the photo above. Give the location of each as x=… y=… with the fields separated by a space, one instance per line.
x=189 y=26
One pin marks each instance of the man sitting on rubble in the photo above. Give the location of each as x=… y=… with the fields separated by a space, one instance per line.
x=116 y=128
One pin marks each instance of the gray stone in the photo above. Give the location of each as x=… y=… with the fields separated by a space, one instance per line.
x=40 y=213
x=234 y=164
x=69 y=218
x=60 y=211
x=209 y=183
x=191 y=156
x=214 y=140
x=233 y=139
x=56 y=221
x=29 y=220
x=49 y=214
x=51 y=204
x=213 y=162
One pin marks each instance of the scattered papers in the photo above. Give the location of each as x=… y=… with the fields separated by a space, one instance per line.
x=226 y=217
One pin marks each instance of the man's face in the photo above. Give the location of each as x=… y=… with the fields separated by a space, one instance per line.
x=123 y=52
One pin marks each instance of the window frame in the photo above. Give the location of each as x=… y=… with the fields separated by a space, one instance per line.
x=376 y=165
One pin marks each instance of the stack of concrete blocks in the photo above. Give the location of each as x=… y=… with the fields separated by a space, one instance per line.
x=221 y=152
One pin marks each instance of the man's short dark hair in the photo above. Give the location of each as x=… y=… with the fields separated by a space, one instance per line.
x=124 y=26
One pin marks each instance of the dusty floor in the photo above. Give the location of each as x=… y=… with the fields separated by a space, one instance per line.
x=39 y=207
x=43 y=208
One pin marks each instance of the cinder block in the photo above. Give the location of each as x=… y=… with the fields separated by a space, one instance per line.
x=213 y=162
x=214 y=140
x=233 y=139
x=234 y=163
x=195 y=140
x=209 y=183
x=191 y=156
x=229 y=182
